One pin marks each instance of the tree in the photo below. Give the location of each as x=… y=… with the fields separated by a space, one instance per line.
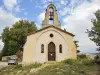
x=94 y=33
x=76 y=43
x=78 y=51
x=14 y=38
x=0 y=37
x=5 y=40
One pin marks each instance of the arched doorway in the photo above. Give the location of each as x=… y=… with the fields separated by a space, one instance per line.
x=51 y=52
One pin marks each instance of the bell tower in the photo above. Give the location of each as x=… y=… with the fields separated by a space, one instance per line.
x=51 y=17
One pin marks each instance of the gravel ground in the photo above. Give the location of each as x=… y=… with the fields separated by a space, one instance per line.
x=3 y=64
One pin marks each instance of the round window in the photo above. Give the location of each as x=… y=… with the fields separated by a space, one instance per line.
x=51 y=35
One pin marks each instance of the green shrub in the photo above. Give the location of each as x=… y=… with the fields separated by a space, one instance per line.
x=0 y=56
x=97 y=59
x=70 y=61
x=8 y=58
x=81 y=56
x=87 y=62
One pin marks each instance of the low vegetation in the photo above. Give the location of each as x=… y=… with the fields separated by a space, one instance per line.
x=72 y=67
x=18 y=69
x=97 y=59
x=81 y=66
x=0 y=56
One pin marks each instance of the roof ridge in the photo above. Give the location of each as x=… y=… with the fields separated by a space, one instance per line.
x=54 y=27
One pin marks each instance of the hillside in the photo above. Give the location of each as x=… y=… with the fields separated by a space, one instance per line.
x=68 y=67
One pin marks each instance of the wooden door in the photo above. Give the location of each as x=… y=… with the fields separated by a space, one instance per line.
x=51 y=52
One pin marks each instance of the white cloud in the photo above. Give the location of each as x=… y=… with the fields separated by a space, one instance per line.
x=17 y=9
x=79 y=21
x=46 y=1
x=62 y=2
x=9 y=4
x=12 y=5
x=41 y=17
x=65 y=11
x=7 y=18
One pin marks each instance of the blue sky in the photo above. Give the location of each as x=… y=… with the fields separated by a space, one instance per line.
x=30 y=9
x=74 y=15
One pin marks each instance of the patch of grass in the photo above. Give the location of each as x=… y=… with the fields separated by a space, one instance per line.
x=69 y=61
x=18 y=69
x=81 y=66
x=71 y=67
x=35 y=65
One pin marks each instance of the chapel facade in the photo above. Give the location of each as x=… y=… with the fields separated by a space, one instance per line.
x=50 y=43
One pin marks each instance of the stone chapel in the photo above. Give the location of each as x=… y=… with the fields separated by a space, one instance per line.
x=50 y=43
